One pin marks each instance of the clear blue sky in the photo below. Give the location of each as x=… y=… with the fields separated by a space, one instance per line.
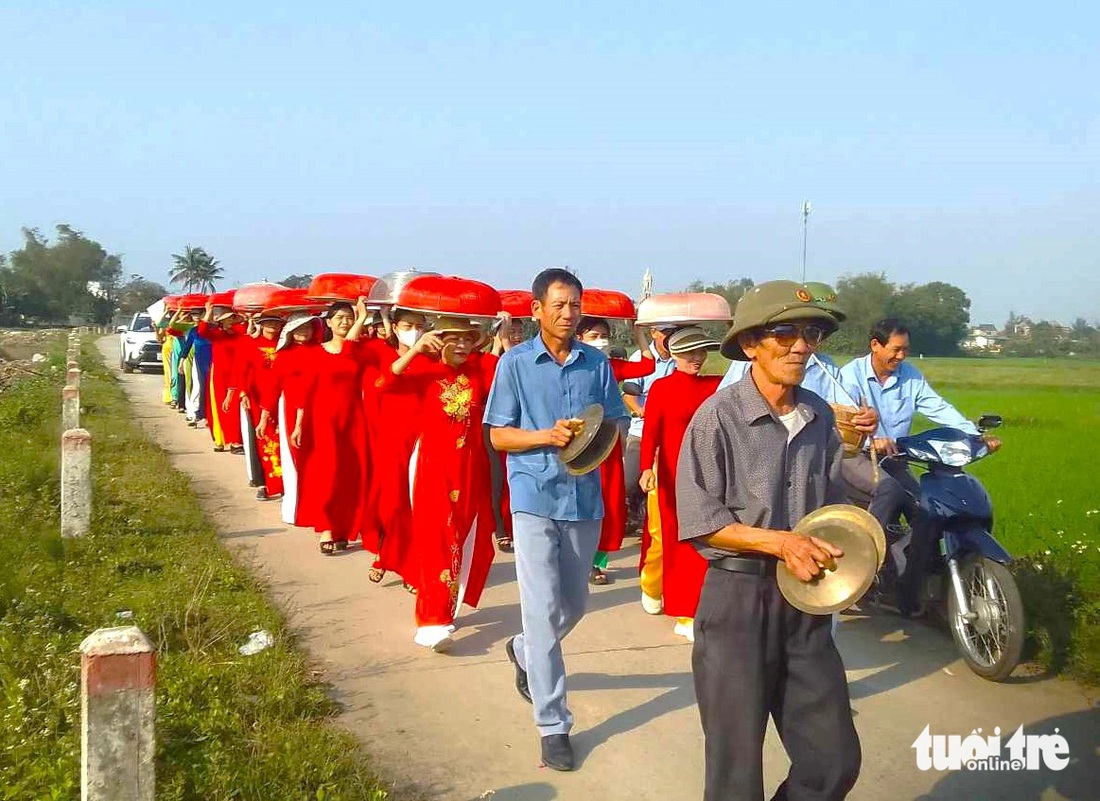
x=939 y=141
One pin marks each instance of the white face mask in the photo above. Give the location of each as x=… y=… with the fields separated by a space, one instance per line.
x=602 y=345
x=408 y=337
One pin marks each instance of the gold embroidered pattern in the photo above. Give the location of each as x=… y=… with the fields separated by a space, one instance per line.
x=269 y=355
x=456 y=396
x=454 y=496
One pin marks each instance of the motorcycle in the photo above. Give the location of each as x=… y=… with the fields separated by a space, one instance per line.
x=966 y=579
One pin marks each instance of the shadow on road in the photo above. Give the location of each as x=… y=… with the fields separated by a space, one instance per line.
x=680 y=695
x=536 y=791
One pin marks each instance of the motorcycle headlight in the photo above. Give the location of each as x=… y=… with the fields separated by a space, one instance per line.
x=953 y=454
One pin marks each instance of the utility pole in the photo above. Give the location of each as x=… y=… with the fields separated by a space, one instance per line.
x=805 y=221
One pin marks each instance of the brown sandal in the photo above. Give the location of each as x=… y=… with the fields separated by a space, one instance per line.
x=376 y=574
x=504 y=543
x=598 y=577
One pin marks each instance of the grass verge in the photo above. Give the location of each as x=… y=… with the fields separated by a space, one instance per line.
x=228 y=726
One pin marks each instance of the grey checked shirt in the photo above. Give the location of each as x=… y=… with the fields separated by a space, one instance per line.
x=736 y=465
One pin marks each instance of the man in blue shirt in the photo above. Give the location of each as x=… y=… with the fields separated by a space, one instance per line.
x=540 y=387
x=898 y=391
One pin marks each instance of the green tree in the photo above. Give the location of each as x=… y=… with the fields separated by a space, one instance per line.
x=937 y=315
x=138 y=294
x=297 y=281
x=731 y=290
x=72 y=277
x=864 y=297
x=195 y=270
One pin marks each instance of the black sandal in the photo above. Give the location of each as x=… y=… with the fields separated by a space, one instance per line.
x=599 y=577
x=341 y=545
x=327 y=547
x=504 y=543
x=375 y=574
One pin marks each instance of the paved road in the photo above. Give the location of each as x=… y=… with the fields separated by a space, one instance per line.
x=451 y=727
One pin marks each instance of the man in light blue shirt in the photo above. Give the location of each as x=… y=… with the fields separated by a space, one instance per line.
x=897 y=390
x=540 y=387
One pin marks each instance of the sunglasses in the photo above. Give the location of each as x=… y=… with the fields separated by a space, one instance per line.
x=786 y=334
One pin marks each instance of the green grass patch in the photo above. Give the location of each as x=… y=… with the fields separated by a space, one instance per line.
x=1044 y=490
x=228 y=726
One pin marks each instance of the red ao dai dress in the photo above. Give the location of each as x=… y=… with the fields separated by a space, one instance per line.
x=255 y=356
x=669 y=408
x=452 y=512
x=333 y=484
x=283 y=397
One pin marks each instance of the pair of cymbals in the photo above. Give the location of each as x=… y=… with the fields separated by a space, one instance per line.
x=593 y=440
x=860 y=536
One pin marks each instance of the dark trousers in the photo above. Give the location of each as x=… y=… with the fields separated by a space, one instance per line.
x=632 y=472
x=755 y=655
x=896 y=493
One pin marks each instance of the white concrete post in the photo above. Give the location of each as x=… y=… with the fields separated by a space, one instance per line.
x=70 y=408
x=72 y=377
x=118 y=714
x=76 y=482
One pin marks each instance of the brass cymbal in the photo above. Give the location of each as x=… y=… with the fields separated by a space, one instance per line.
x=593 y=440
x=827 y=516
x=834 y=590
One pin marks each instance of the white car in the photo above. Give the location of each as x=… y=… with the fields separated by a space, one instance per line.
x=138 y=346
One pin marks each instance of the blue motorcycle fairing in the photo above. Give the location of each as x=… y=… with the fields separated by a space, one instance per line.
x=973 y=540
x=955 y=496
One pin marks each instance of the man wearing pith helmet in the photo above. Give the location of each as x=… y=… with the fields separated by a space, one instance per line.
x=757 y=457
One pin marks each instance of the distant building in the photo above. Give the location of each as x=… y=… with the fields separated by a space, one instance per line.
x=984 y=338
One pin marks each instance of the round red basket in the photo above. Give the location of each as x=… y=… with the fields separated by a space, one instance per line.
x=192 y=302
x=253 y=297
x=607 y=303
x=450 y=295
x=223 y=299
x=517 y=302
x=287 y=301
x=340 y=287
x=172 y=302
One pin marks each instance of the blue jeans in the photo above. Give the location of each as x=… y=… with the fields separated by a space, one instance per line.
x=553 y=561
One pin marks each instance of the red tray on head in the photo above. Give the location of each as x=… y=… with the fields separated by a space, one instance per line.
x=224 y=299
x=607 y=303
x=449 y=294
x=517 y=302
x=192 y=302
x=286 y=301
x=340 y=287
x=253 y=297
x=684 y=308
x=172 y=302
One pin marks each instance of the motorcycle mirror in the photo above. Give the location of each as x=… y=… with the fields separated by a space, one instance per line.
x=988 y=421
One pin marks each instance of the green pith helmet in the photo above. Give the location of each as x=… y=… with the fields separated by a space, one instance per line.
x=773 y=302
x=825 y=296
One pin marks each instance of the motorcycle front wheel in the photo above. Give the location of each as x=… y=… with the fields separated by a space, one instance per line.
x=992 y=641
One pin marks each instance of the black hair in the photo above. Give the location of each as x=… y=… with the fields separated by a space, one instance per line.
x=882 y=330
x=554 y=275
x=399 y=313
x=588 y=323
x=335 y=307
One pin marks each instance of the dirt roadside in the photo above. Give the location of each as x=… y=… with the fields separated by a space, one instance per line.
x=452 y=727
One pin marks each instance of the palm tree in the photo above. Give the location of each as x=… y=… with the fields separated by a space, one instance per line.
x=195 y=270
